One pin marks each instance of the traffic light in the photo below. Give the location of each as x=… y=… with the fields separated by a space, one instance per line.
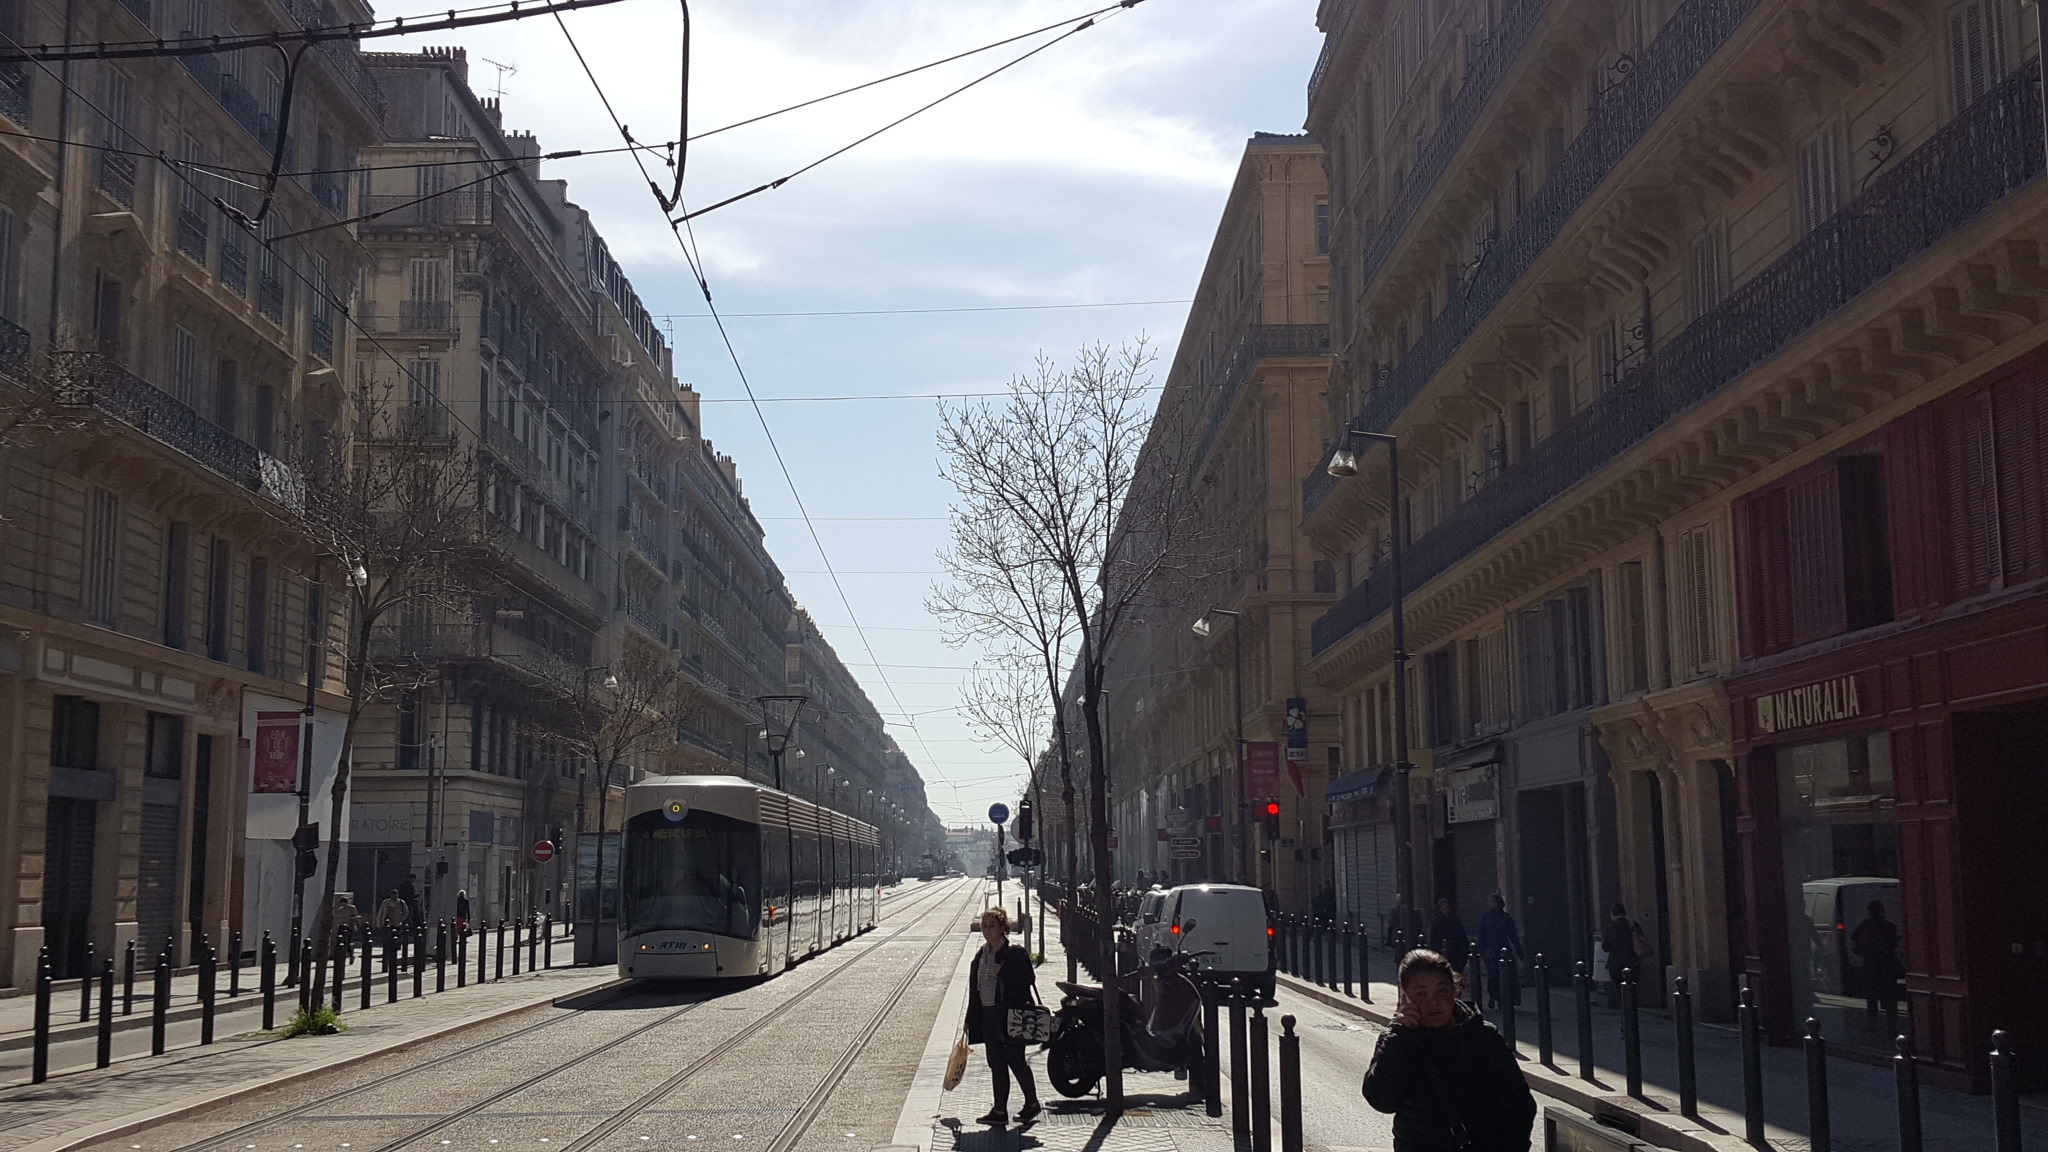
x=306 y=842
x=1272 y=820
x=1023 y=819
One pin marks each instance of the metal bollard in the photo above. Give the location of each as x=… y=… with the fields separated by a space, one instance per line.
x=1212 y=1055
x=1582 y=990
x=1510 y=987
x=1240 y=1086
x=2005 y=1096
x=1364 y=963
x=1344 y=955
x=85 y=987
x=295 y=953
x=1631 y=1033
x=533 y=940
x=105 y=1053
x=517 y=923
x=1290 y=1087
x=159 y=1003
x=547 y=948
x=1475 y=982
x=501 y=950
x=266 y=979
x=1752 y=1068
x=1262 y=1082
x=1545 y=1048
x=128 y=980
x=417 y=941
x=40 y=1062
x=369 y=969
x=1688 y=1072
x=461 y=957
x=1820 y=1132
x=1906 y=1084
x=234 y=965
x=207 y=971
x=483 y=952
x=440 y=955
x=391 y=964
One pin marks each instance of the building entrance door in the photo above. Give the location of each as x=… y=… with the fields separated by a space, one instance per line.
x=156 y=884
x=70 y=835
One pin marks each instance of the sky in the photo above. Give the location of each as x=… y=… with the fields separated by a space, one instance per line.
x=1092 y=173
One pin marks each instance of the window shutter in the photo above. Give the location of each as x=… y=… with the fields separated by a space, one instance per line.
x=2020 y=408
x=1697 y=602
x=1976 y=51
x=1820 y=178
x=102 y=558
x=1972 y=487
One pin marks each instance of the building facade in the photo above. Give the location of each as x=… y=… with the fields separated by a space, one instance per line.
x=1635 y=285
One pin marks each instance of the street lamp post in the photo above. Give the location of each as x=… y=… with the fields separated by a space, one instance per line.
x=1202 y=628
x=1344 y=462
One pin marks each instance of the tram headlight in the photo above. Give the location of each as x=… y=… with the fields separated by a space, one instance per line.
x=676 y=808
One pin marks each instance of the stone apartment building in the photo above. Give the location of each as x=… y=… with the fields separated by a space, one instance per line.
x=1249 y=376
x=1705 y=329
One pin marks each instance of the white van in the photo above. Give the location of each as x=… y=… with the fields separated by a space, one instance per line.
x=1229 y=920
x=1150 y=930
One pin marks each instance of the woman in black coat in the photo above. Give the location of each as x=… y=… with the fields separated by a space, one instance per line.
x=1451 y=1082
x=1001 y=979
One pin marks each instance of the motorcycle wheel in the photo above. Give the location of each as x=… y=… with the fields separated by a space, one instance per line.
x=1072 y=1074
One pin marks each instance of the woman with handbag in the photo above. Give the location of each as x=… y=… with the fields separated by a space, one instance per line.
x=1450 y=1081
x=1000 y=981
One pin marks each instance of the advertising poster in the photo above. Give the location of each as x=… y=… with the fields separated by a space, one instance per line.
x=277 y=752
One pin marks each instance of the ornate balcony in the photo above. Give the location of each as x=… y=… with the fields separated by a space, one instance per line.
x=469 y=207
x=1990 y=151
x=192 y=233
x=1260 y=341
x=1624 y=113
x=14 y=93
x=321 y=335
x=426 y=315
x=270 y=297
x=117 y=177
x=234 y=264
x=16 y=347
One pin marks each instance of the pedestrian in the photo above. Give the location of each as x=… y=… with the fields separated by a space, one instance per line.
x=392 y=916
x=461 y=911
x=408 y=891
x=348 y=925
x=1623 y=942
x=1001 y=979
x=1876 y=943
x=1445 y=1075
x=1497 y=932
x=1447 y=935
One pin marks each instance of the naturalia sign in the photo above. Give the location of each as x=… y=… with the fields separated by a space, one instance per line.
x=1822 y=703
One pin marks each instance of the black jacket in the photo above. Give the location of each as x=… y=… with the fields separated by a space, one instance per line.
x=1417 y=1073
x=1015 y=988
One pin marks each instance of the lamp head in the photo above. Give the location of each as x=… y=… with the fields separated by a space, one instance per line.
x=1343 y=462
x=1202 y=627
x=611 y=682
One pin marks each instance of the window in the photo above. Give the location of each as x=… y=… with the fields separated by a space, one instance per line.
x=429 y=279
x=1634 y=652
x=1440 y=679
x=1325 y=577
x=1561 y=404
x=1866 y=543
x=107 y=303
x=263 y=420
x=1606 y=361
x=1976 y=51
x=185 y=365
x=256 y=628
x=227 y=395
x=1693 y=616
x=1323 y=227
x=1820 y=177
x=102 y=558
x=177 y=583
x=114 y=111
x=74 y=732
x=1709 y=272
x=218 y=578
x=1554 y=655
x=425 y=380
x=164 y=757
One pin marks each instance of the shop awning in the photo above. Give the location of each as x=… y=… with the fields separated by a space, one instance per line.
x=1358 y=785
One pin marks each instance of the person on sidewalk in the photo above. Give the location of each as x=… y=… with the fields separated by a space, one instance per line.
x=1497 y=933
x=1876 y=943
x=1001 y=979
x=461 y=912
x=409 y=891
x=348 y=925
x=1447 y=935
x=1448 y=1079
x=1622 y=940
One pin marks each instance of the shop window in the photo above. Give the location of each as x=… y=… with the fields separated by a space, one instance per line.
x=1836 y=808
x=164 y=756
x=74 y=732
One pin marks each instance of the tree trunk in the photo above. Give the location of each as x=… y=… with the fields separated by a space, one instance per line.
x=1105 y=894
x=323 y=917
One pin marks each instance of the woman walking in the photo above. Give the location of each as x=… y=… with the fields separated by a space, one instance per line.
x=1001 y=979
x=1447 y=1077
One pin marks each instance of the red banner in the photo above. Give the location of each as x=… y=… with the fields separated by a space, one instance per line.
x=1261 y=768
x=277 y=752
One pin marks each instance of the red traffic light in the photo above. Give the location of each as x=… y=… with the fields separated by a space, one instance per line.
x=1272 y=807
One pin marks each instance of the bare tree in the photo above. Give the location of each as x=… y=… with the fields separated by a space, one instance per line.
x=1088 y=499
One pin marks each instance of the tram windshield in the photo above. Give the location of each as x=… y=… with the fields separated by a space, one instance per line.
x=698 y=874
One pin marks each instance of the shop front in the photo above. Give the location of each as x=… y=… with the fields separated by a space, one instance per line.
x=1892 y=798
x=1362 y=846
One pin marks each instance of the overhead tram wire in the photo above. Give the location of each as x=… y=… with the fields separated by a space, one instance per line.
x=225 y=171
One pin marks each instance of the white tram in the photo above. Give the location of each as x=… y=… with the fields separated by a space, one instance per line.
x=722 y=877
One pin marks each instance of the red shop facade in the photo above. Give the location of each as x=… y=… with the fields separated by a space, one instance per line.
x=1891 y=733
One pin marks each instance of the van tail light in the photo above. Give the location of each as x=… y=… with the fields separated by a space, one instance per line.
x=1175 y=929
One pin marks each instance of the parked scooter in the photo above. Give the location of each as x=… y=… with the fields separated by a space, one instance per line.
x=1160 y=1018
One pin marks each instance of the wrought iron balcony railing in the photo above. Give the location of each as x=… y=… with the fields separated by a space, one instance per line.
x=117 y=177
x=192 y=231
x=270 y=297
x=1626 y=111
x=410 y=422
x=234 y=264
x=510 y=451
x=1260 y=341
x=384 y=211
x=14 y=93
x=330 y=192
x=1984 y=155
x=426 y=315
x=321 y=334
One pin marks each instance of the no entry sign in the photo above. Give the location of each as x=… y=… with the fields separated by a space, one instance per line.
x=543 y=851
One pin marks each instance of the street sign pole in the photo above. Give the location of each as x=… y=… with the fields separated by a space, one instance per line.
x=999 y=815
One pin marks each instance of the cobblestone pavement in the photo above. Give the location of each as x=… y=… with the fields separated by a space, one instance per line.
x=818 y=1058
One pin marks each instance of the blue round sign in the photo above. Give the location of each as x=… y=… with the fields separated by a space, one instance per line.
x=999 y=813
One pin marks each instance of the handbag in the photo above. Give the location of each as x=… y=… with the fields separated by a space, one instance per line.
x=1031 y=1024
x=956 y=1064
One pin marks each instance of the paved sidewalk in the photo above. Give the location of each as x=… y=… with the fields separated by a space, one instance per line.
x=1862 y=1101
x=72 y=1110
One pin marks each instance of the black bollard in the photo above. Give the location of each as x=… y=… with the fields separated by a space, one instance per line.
x=128 y=980
x=159 y=1003
x=105 y=1054
x=40 y=1062
x=391 y=964
x=416 y=939
x=1820 y=1133
x=341 y=973
x=517 y=924
x=1688 y=1073
x=1364 y=962
x=533 y=941
x=2005 y=1096
x=1582 y=990
x=1509 y=985
x=85 y=987
x=369 y=968
x=501 y=950
x=1906 y=1084
x=483 y=952
x=1475 y=982
x=1290 y=1087
x=266 y=979
x=234 y=965
x=1262 y=1081
x=1240 y=1085
x=207 y=972
x=1631 y=1033
x=1212 y=1055
x=1545 y=1049
x=295 y=956
x=547 y=948
x=1752 y=1068
x=461 y=957
x=1343 y=931
x=440 y=955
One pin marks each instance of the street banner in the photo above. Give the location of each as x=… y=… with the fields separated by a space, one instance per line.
x=1261 y=767
x=277 y=752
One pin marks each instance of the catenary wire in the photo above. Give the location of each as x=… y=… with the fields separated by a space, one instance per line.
x=319 y=34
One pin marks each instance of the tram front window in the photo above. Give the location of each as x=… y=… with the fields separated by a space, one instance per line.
x=699 y=874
